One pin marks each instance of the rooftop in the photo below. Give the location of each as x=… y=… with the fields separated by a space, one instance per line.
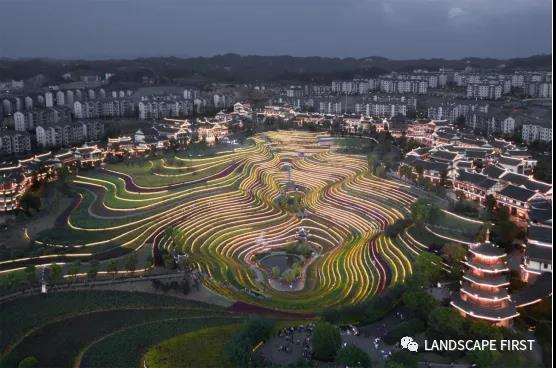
x=487 y=249
x=493 y=171
x=484 y=313
x=493 y=281
x=541 y=234
x=523 y=180
x=479 y=180
x=517 y=193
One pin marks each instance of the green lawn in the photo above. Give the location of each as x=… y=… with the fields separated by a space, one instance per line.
x=22 y=315
x=72 y=334
x=455 y=226
x=125 y=348
x=192 y=349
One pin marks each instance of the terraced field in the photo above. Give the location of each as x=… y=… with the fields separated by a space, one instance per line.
x=225 y=212
x=98 y=328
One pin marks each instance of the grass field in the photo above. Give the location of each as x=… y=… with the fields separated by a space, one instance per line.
x=454 y=226
x=59 y=328
x=191 y=350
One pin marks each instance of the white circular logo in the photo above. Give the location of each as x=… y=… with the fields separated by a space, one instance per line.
x=408 y=343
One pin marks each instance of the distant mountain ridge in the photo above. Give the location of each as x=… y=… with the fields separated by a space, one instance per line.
x=236 y=68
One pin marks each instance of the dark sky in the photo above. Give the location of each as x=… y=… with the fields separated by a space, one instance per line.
x=402 y=29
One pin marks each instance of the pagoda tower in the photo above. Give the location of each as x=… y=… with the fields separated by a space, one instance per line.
x=484 y=287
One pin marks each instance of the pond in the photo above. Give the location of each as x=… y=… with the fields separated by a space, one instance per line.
x=282 y=261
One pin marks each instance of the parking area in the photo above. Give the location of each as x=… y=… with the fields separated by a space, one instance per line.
x=293 y=344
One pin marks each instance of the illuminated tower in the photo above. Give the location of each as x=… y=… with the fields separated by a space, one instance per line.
x=484 y=287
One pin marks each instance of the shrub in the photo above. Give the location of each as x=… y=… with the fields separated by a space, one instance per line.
x=394 y=229
x=253 y=331
x=411 y=327
x=326 y=341
x=419 y=302
x=352 y=356
x=402 y=358
x=29 y=362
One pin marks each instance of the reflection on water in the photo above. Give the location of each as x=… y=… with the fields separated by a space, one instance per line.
x=282 y=261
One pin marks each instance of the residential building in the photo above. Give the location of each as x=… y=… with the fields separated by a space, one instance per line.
x=14 y=143
x=532 y=132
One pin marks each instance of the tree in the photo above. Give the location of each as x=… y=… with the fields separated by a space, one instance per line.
x=443 y=177
x=406 y=171
x=239 y=349
x=427 y=269
x=55 y=273
x=420 y=172
x=131 y=263
x=393 y=364
x=30 y=274
x=93 y=270
x=352 y=356
x=454 y=254
x=63 y=173
x=276 y=272
x=419 y=302
x=289 y=275
x=184 y=263
x=29 y=362
x=173 y=234
x=29 y=201
x=505 y=231
x=490 y=204
x=149 y=262
x=402 y=358
x=74 y=268
x=380 y=171
x=460 y=122
x=484 y=330
x=372 y=163
x=169 y=262
x=422 y=211
x=13 y=280
x=326 y=341
x=483 y=358
x=112 y=268
x=398 y=226
x=445 y=323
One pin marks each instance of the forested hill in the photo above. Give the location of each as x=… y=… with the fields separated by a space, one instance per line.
x=237 y=68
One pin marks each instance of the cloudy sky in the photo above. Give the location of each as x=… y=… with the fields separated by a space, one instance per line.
x=391 y=28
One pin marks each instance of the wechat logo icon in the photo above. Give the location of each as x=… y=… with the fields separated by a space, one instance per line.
x=408 y=343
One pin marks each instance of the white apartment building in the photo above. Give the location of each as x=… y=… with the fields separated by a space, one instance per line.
x=68 y=134
x=327 y=107
x=507 y=126
x=28 y=102
x=14 y=142
x=21 y=122
x=532 y=133
x=161 y=109
x=49 y=99
x=381 y=109
x=484 y=91
x=70 y=99
x=60 y=98
x=518 y=80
